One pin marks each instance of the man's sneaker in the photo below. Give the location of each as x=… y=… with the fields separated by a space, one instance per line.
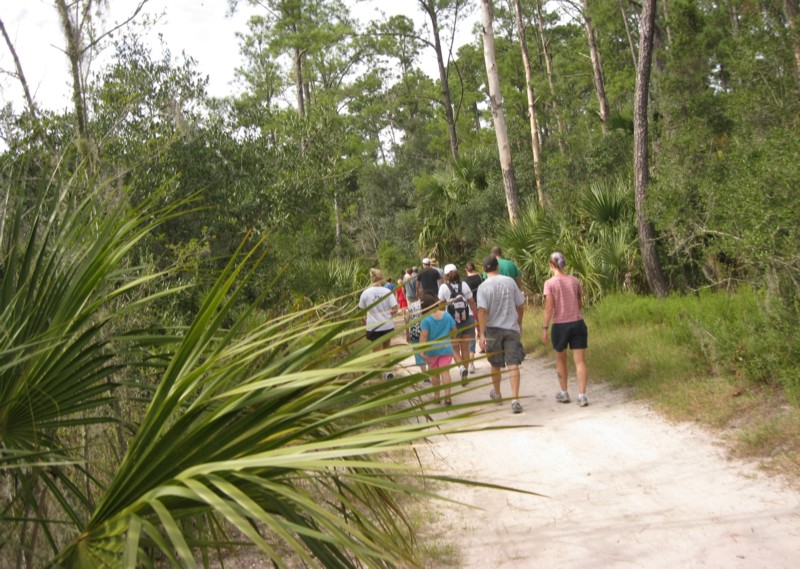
x=582 y=401
x=516 y=407
x=464 y=376
x=388 y=375
x=495 y=396
x=472 y=368
x=562 y=397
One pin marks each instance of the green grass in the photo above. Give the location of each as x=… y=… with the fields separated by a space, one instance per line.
x=718 y=358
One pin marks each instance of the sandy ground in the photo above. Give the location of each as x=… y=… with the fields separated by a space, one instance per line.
x=623 y=488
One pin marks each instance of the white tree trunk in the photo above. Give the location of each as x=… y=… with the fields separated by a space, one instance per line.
x=496 y=102
x=548 y=61
x=537 y=159
x=597 y=69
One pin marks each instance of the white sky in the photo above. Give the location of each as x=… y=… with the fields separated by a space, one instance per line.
x=198 y=27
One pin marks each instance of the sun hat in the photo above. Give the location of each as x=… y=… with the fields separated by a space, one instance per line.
x=449 y=268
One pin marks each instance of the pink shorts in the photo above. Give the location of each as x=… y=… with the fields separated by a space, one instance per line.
x=436 y=362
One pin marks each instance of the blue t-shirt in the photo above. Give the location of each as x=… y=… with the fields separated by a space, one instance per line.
x=439 y=330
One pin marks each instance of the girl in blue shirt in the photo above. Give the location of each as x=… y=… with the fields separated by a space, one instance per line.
x=438 y=327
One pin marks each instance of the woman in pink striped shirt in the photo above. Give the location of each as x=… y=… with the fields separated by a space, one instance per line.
x=563 y=302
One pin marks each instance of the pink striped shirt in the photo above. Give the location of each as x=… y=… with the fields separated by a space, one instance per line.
x=566 y=292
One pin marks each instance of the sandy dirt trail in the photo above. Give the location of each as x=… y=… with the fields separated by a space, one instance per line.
x=623 y=488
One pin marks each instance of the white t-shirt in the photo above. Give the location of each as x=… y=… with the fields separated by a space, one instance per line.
x=461 y=288
x=379 y=316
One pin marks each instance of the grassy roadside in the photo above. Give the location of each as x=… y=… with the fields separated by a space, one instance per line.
x=717 y=359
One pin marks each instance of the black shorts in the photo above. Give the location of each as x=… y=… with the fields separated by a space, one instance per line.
x=373 y=335
x=572 y=334
x=465 y=329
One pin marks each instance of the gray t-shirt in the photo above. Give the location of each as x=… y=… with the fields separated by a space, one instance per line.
x=500 y=296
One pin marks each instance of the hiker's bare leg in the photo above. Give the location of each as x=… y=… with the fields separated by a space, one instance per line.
x=580 y=369
x=496 y=380
x=561 y=368
x=436 y=380
x=513 y=375
x=465 y=350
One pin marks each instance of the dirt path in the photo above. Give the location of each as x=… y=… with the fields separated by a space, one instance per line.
x=623 y=488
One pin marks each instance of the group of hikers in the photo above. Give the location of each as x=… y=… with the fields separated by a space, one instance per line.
x=454 y=316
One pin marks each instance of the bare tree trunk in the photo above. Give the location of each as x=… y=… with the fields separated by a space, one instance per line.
x=548 y=61
x=733 y=12
x=628 y=30
x=641 y=166
x=476 y=117
x=76 y=23
x=496 y=102
x=20 y=74
x=72 y=34
x=298 y=81
x=597 y=69
x=338 y=222
x=448 y=100
x=791 y=11
x=667 y=22
x=537 y=159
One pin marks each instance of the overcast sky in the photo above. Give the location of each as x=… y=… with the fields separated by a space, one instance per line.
x=198 y=27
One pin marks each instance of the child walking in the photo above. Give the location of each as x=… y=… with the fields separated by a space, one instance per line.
x=438 y=327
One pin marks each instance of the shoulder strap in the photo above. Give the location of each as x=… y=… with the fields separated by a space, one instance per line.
x=452 y=291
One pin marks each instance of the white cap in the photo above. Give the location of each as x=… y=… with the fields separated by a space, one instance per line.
x=449 y=268
x=426 y=261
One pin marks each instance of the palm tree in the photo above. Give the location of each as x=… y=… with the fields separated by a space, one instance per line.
x=600 y=245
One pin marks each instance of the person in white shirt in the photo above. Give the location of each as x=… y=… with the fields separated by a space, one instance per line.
x=381 y=306
x=461 y=306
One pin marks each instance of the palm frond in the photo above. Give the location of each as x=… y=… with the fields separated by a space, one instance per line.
x=64 y=266
x=609 y=202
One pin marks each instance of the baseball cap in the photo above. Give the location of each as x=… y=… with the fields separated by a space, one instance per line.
x=449 y=268
x=426 y=261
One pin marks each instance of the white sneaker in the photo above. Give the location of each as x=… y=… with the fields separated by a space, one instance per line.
x=388 y=375
x=472 y=368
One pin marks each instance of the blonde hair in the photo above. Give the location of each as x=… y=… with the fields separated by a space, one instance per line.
x=376 y=275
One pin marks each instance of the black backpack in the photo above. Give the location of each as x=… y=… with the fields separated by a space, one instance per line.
x=458 y=307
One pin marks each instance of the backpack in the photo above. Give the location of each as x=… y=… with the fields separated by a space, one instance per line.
x=457 y=307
